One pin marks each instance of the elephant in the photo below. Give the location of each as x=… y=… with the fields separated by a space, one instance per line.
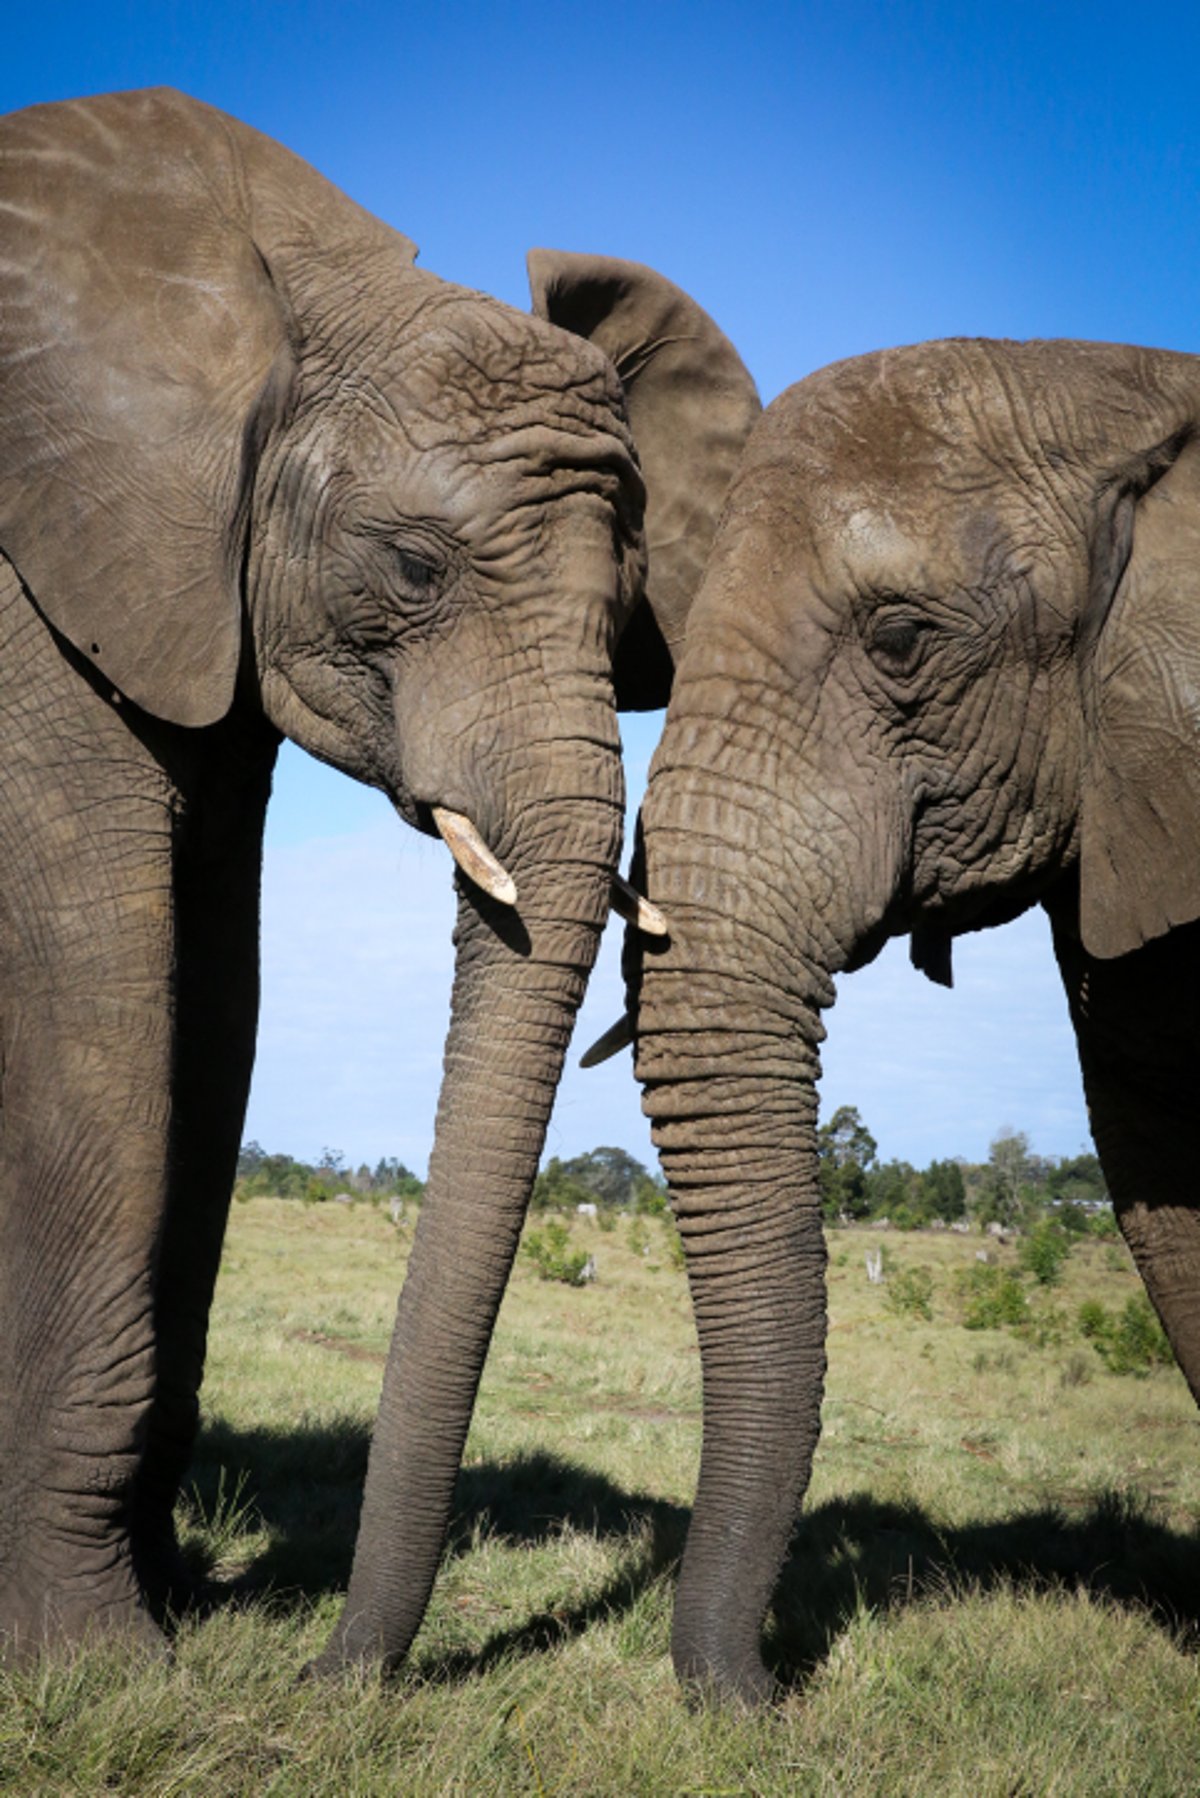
x=260 y=477
x=944 y=664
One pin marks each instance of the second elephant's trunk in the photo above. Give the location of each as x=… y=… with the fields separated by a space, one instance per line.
x=728 y=1023
x=740 y=1158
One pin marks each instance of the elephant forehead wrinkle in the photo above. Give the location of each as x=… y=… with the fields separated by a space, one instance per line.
x=480 y=361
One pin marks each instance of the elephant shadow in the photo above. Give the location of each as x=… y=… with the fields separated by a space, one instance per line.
x=859 y=1551
x=304 y=1485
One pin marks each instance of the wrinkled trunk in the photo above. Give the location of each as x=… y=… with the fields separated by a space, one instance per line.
x=740 y=1157
x=518 y=982
x=728 y=1025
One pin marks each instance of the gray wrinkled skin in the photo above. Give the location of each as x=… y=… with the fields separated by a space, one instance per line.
x=945 y=663
x=261 y=475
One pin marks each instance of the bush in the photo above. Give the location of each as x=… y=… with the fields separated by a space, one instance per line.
x=1103 y=1225
x=1044 y=1251
x=638 y=1237
x=991 y=1297
x=552 y=1258
x=1094 y=1319
x=1045 y=1326
x=1129 y=1341
x=649 y=1197
x=908 y=1293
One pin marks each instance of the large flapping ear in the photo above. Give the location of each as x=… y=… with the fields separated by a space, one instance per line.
x=691 y=405
x=143 y=352
x=1140 y=643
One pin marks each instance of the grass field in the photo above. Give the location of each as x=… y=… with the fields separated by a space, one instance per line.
x=995 y=1587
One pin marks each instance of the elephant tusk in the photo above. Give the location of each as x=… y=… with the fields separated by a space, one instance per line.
x=635 y=908
x=473 y=855
x=618 y=1036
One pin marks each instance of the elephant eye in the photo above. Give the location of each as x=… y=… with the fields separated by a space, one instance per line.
x=419 y=573
x=898 y=643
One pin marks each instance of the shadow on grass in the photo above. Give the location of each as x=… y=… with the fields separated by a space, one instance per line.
x=888 y=1555
x=306 y=1485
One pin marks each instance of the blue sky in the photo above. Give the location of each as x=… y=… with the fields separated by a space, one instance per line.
x=825 y=179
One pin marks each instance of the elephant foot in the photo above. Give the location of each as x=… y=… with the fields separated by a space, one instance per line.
x=40 y=1616
x=171 y=1589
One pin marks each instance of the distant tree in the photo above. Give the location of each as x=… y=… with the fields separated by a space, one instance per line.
x=1077 y=1180
x=392 y=1179
x=846 y=1151
x=250 y=1158
x=891 y=1192
x=943 y=1192
x=1005 y=1178
x=610 y=1175
x=557 y=1189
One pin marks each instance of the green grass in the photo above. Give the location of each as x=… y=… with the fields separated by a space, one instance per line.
x=995 y=1587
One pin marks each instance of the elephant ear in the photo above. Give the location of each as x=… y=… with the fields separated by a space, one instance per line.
x=691 y=405
x=143 y=352
x=1140 y=804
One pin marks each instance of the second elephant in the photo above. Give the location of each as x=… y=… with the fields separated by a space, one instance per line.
x=945 y=664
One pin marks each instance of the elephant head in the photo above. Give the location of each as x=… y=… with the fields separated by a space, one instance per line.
x=253 y=460
x=944 y=663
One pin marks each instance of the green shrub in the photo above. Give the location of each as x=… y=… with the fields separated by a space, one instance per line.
x=1044 y=1252
x=673 y=1243
x=649 y=1198
x=909 y=1291
x=1129 y=1341
x=907 y=1217
x=638 y=1236
x=1103 y=1224
x=1045 y=1326
x=551 y=1256
x=991 y=1297
x=1093 y=1320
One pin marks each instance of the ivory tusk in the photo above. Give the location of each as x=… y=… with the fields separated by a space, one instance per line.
x=473 y=855
x=618 y=1036
x=635 y=908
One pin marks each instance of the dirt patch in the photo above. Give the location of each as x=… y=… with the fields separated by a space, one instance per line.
x=353 y=1351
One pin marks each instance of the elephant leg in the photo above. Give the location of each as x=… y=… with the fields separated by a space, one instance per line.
x=87 y=1061
x=1137 y=1020
x=86 y=1051
x=217 y=880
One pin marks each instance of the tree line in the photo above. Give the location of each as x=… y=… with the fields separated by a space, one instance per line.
x=260 y=1175
x=1013 y=1188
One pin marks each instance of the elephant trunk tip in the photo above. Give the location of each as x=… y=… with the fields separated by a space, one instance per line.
x=720 y=1682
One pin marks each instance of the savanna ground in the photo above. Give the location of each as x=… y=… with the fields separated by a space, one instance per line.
x=995 y=1587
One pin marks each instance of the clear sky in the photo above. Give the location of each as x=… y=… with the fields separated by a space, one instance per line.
x=825 y=179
